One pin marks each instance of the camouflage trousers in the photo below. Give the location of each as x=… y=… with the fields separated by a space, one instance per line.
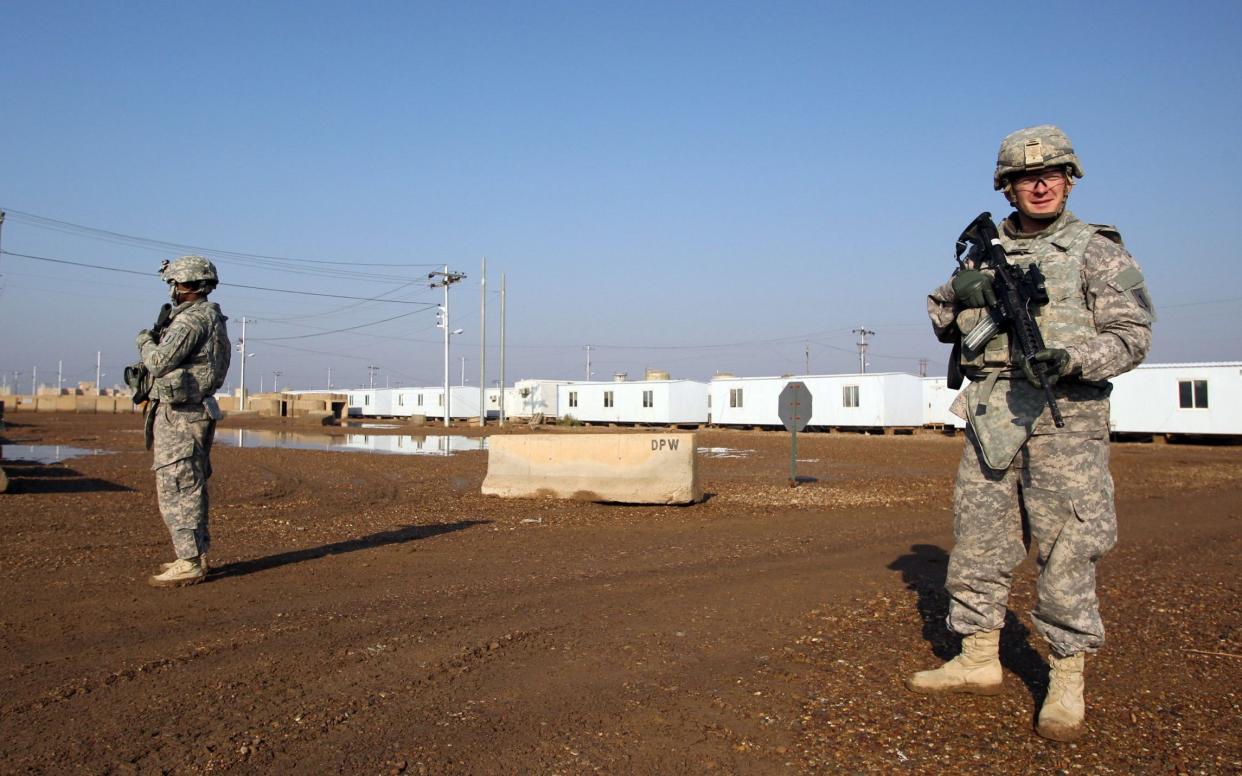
x=1058 y=491
x=183 y=437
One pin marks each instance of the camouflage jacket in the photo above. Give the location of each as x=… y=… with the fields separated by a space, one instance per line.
x=1101 y=313
x=192 y=358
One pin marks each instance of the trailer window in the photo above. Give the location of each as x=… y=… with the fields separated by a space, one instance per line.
x=420 y=400
x=1192 y=394
x=400 y=400
x=735 y=397
x=573 y=398
x=607 y=398
x=849 y=396
x=648 y=398
x=366 y=399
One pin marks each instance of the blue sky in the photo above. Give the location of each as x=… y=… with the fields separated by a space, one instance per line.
x=687 y=186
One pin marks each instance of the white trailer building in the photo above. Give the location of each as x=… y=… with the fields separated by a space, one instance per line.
x=872 y=400
x=1195 y=399
x=642 y=402
x=361 y=403
x=429 y=401
x=528 y=398
x=937 y=398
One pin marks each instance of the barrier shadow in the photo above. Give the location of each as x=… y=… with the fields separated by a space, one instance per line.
x=401 y=535
x=924 y=570
x=32 y=477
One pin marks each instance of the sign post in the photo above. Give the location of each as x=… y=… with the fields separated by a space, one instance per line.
x=795 y=412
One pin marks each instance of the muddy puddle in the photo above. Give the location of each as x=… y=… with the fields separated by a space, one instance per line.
x=396 y=444
x=46 y=453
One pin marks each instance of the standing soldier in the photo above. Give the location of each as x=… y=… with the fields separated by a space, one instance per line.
x=1020 y=475
x=187 y=362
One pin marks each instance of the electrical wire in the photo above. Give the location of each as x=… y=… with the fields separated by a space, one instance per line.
x=425 y=305
x=32 y=219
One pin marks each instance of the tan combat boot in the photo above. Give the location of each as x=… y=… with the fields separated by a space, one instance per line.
x=202 y=561
x=1061 y=717
x=976 y=670
x=183 y=571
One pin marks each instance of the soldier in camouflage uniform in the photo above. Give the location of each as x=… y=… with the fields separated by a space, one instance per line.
x=187 y=365
x=1019 y=473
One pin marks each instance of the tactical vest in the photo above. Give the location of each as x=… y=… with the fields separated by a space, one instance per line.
x=204 y=371
x=1058 y=252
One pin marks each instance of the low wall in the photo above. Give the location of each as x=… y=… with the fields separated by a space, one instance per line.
x=624 y=468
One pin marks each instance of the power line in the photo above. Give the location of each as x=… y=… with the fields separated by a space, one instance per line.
x=33 y=219
x=230 y=285
x=338 y=331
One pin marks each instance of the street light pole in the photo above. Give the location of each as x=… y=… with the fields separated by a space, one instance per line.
x=241 y=344
x=446 y=279
x=502 y=348
x=483 y=345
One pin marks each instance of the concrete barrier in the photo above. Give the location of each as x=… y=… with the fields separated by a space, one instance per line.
x=84 y=404
x=625 y=468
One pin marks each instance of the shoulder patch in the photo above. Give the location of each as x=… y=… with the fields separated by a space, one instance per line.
x=1129 y=278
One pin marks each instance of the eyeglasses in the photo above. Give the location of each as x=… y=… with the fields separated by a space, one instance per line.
x=1050 y=178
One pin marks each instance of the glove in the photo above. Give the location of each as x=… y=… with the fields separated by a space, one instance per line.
x=1055 y=360
x=972 y=288
x=144 y=337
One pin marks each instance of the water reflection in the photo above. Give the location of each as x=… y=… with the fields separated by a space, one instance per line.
x=397 y=444
x=47 y=453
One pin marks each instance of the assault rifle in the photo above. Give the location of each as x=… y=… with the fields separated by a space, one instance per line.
x=1014 y=292
x=137 y=376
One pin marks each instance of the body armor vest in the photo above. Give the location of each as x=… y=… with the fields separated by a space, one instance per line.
x=202 y=374
x=1058 y=252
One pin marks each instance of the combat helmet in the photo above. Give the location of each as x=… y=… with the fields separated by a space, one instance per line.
x=191 y=270
x=1035 y=148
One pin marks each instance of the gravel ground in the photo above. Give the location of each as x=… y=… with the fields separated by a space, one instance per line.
x=375 y=614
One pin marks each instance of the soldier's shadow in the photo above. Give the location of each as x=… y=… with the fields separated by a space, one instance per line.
x=34 y=477
x=407 y=533
x=923 y=570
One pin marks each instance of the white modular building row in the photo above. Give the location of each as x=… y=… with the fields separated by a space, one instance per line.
x=1193 y=399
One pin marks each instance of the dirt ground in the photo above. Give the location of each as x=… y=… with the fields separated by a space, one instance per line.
x=372 y=613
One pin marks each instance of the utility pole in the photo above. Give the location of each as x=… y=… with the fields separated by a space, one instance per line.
x=98 y=375
x=371 y=370
x=329 y=379
x=862 y=332
x=276 y=373
x=922 y=367
x=34 y=381
x=808 y=359
x=463 y=371
x=502 y=348
x=60 y=376
x=446 y=279
x=483 y=345
x=241 y=345
x=588 y=372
